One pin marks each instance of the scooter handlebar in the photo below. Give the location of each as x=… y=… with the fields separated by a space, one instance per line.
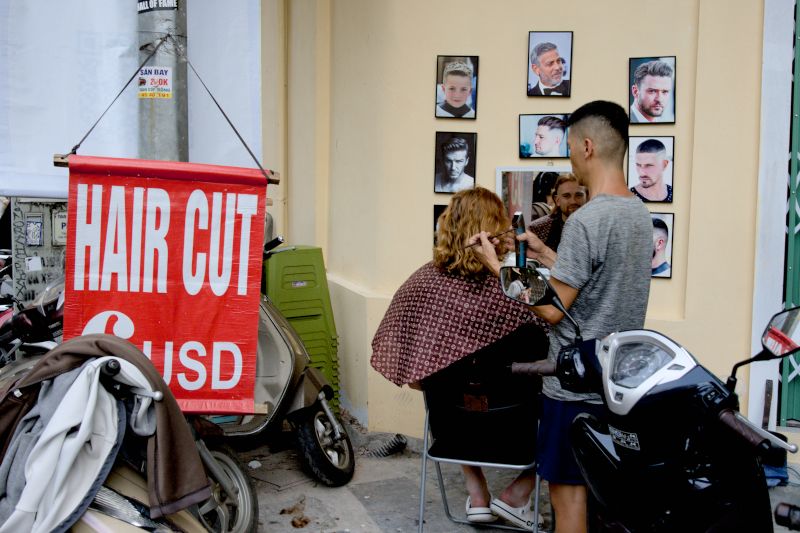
x=745 y=429
x=759 y=438
x=537 y=368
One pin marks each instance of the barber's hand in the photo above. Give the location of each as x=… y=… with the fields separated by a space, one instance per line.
x=484 y=250
x=537 y=249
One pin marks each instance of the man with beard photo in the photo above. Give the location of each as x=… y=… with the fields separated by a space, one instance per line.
x=548 y=65
x=568 y=196
x=652 y=93
x=651 y=161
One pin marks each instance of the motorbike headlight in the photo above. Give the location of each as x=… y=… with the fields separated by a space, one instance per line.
x=634 y=362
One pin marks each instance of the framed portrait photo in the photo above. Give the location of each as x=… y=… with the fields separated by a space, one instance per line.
x=650 y=168
x=456 y=87
x=651 y=90
x=526 y=189
x=454 y=168
x=663 y=226
x=543 y=136
x=549 y=60
x=438 y=209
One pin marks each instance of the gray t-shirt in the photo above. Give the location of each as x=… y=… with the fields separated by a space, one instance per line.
x=605 y=252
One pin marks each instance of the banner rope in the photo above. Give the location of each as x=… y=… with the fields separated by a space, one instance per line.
x=268 y=174
x=161 y=41
x=182 y=53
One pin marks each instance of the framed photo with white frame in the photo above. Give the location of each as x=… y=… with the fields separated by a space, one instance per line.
x=521 y=187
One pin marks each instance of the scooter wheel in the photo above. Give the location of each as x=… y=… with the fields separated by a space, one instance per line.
x=223 y=513
x=329 y=460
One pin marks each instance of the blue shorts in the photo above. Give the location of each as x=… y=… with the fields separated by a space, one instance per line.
x=554 y=457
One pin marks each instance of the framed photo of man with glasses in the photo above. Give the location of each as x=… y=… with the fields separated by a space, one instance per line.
x=549 y=60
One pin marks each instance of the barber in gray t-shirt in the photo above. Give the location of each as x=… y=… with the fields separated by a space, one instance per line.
x=601 y=272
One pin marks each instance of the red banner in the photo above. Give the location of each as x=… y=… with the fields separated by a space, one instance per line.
x=168 y=256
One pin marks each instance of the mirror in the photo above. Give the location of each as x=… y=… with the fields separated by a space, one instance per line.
x=782 y=335
x=524 y=285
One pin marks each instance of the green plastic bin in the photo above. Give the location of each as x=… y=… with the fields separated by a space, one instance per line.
x=298 y=285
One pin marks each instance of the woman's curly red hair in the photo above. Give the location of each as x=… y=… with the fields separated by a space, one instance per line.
x=470 y=211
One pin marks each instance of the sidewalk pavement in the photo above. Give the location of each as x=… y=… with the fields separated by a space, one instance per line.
x=382 y=496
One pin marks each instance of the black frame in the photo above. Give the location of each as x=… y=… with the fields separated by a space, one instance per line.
x=568 y=67
x=472 y=153
x=532 y=154
x=441 y=61
x=438 y=209
x=633 y=180
x=634 y=62
x=670 y=242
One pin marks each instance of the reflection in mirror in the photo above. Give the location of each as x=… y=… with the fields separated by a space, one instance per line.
x=782 y=335
x=523 y=284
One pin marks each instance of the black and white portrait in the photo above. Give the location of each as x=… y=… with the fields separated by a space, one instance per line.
x=455 y=161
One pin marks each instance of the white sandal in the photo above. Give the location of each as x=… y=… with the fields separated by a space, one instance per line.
x=479 y=515
x=519 y=516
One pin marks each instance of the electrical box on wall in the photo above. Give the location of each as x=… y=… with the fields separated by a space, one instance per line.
x=38 y=244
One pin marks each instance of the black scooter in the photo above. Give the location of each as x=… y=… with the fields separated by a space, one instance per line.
x=672 y=452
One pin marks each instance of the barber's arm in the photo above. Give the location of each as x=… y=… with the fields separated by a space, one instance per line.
x=567 y=296
x=485 y=252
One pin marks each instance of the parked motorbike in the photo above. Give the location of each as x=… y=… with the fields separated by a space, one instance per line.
x=233 y=505
x=49 y=445
x=672 y=453
x=6 y=282
x=37 y=326
x=287 y=388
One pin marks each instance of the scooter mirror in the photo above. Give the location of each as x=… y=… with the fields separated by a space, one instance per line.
x=782 y=335
x=525 y=285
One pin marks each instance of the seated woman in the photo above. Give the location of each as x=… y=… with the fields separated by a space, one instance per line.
x=450 y=324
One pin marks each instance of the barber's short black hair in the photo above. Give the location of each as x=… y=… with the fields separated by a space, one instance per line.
x=660 y=224
x=608 y=112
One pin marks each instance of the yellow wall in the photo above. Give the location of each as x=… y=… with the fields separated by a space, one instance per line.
x=360 y=133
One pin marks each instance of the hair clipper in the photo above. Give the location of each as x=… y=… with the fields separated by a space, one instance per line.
x=519 y=228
